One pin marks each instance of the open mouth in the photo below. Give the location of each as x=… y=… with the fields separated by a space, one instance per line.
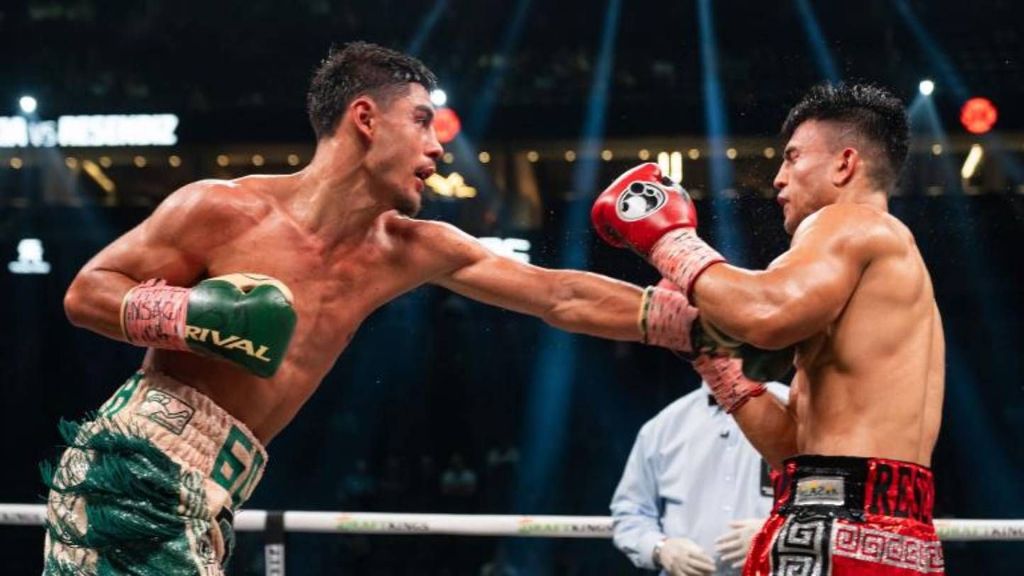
x=425 y=172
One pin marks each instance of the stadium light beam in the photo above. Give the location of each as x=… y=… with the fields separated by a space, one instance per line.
x=721 y=174
x=822 y=57
x=479 y=116
x=974 y=427
x=949 y=76
x=543 y=444
x=477 y=119
x=426 y=28
x=926 y=87
x=550 y=393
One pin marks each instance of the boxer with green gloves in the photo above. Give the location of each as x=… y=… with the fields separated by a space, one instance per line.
x=246 y=319
x=149 y=484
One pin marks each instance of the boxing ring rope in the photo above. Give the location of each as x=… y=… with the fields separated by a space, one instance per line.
x=488 y=525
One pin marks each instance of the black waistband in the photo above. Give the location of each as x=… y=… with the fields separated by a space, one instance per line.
x=854 y=487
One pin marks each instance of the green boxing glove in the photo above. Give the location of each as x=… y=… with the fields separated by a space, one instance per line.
x=246 y=319
x=766 y=365
x=668 y=319
x=758 y=364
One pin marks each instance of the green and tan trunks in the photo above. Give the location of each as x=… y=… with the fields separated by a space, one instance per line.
x=149 y=486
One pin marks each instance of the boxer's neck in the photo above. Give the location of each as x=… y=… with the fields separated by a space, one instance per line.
x=866 y=196
x=332 y=197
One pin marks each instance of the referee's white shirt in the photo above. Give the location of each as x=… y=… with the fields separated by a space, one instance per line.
x=691 y=472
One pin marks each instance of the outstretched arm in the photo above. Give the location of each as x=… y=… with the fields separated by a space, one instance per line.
x=571 y=300
x=803 y=290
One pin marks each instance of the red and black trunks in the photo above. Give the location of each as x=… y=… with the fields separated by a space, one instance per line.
x=839 y=515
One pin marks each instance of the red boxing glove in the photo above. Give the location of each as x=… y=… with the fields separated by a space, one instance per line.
x=655 y=217
x=724 y=376
x=640 y=207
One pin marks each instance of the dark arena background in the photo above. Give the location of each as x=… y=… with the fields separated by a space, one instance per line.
x=107 y=107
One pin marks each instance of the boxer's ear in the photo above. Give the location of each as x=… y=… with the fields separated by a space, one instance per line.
x=848 y=162
x=364 y=111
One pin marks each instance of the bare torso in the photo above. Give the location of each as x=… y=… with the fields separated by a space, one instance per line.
x=335 y=289
x=872 y=383
x=343 y=253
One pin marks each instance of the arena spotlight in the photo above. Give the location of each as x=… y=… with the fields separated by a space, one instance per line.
x=926 y=87
x=978 y=115
x=28 y=104
x=447 y=124
x=972 y=161
x=438 y=97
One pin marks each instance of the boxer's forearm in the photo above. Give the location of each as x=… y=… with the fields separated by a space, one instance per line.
x=571 y=300
x=593 y=304
x=769 y=427
x=93 y=301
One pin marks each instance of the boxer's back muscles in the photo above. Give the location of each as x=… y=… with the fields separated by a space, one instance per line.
x=853 y=293
x=871 y=383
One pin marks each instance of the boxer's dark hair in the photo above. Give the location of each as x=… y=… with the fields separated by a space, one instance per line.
x=360 y=68
x=877 y=118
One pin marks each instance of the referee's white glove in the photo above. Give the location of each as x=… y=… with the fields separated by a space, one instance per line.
x=734 y=545
x=683 y=557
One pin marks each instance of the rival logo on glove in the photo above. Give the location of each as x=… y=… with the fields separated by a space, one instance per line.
x=640 y=200
x=229 y=342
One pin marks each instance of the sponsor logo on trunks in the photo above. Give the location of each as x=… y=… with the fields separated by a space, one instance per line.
x=238 y=466
x=167 y=410
x=900 y=491
x=639 y=201
x=227 y=342
x=820 y=491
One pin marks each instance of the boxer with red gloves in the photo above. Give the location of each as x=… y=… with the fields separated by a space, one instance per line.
x=649 y=213
x=854 y=297
x=640 y=209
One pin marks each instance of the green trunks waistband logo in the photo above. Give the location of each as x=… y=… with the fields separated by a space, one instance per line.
x=166 y=409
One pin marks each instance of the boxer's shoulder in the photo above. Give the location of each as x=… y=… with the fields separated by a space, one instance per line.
x=428 y=233
x=856 y=229
x=220 y=203
x=435 y=244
